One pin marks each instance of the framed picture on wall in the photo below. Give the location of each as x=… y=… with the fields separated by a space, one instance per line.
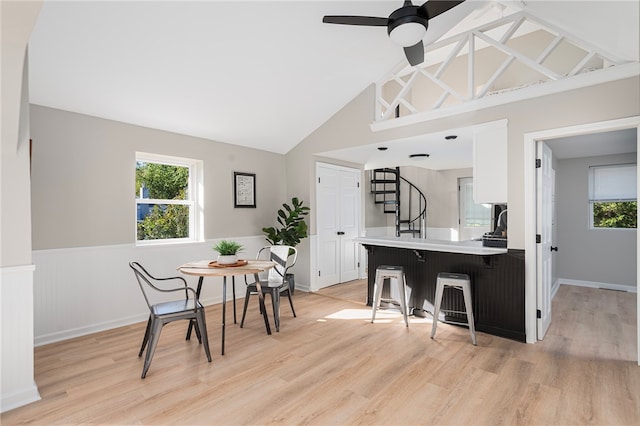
x=244 y=190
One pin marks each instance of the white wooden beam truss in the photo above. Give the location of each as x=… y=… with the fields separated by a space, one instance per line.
x=501 y=36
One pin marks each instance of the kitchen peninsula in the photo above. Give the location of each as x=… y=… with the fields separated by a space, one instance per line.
x=497 y=279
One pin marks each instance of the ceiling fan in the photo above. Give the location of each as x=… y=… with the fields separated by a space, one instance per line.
x=406 y=26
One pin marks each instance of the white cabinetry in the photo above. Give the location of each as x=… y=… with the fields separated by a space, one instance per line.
x=490 y=162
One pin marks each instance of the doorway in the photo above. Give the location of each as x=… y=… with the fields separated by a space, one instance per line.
x=532 y=303
x=338 y=223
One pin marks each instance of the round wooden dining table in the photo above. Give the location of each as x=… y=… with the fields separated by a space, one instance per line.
x=206 y=268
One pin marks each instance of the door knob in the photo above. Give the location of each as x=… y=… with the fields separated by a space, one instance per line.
x=340 y=233
x=554 y=248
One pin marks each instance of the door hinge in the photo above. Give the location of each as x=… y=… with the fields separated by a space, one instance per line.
x=538 y=313
x=358 y=264
x=538 y=163
x=318 y=180
x=358 y=184
x=538 y=238
x=318 y=273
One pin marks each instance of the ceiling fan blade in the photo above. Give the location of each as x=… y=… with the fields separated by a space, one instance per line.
x=415 y=53
x=434 y=8
x=371 y=21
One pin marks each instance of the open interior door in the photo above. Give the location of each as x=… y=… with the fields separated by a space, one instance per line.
x=544 y=226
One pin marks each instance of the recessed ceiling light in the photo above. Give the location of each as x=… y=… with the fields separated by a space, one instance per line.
x=418 y=156
x=450 y=137
x=382 y=148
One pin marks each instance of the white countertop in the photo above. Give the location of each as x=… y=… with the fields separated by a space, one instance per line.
x=465 y=247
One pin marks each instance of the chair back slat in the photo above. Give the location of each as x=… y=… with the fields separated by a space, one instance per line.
x=149 y=284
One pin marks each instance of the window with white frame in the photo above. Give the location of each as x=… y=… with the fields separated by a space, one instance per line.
x=613 y=196
x=474 y=219
x=167 y=198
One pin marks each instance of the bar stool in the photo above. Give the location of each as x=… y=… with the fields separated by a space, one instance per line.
x=461 y=282
x=395 y=274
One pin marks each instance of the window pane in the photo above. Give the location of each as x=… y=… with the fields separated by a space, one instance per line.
x=162 y=221
x=622 y=214
x=161 y=181
x=475 y=215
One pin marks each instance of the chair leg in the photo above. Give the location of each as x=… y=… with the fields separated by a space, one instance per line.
x=156 y=327
x=246 y=303
x=403 y=299
x=145 y=339
x=202 y=325
x=291 y=302
x=377 y=293
x=436 y=310
x=466 y=292
x=275 y=301
x=195 y=326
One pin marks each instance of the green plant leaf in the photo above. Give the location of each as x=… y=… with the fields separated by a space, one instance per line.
x=226 y=248
x=293 y=227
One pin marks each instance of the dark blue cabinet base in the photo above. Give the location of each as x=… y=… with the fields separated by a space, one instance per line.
x=497 y=283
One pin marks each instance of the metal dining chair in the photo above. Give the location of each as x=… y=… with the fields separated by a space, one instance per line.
x=274 y=281
x=161 y=313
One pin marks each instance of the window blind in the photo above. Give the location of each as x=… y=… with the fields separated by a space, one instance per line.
x=613 y=183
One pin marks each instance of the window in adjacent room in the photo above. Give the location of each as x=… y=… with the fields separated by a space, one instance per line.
x=167 y=199
x=613 y=200
x=475 y=219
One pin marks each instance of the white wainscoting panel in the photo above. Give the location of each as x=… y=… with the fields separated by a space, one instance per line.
x=78 y=291
x=18 y=387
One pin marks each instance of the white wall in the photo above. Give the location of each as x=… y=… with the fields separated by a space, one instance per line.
x=83 y=174
x=16 y=270
x=84 y=216
x=590 y=255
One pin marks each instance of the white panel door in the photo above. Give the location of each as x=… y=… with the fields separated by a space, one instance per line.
x=544 y=177
x=349 y=214
x=328 y=219
x=338 y=207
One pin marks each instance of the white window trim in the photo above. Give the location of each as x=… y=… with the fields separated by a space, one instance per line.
x=195 y=199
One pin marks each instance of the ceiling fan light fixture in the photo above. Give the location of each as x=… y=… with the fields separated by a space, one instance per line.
x=408 y=34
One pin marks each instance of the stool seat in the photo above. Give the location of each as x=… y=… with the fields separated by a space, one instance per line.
x=461 y=282
x=394 y=274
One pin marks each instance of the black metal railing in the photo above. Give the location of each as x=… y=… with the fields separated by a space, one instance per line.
x=410 y=210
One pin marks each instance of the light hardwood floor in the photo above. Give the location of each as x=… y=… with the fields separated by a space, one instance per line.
x=331 y=366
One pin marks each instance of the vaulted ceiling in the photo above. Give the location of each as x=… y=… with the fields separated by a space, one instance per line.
x=263 y=74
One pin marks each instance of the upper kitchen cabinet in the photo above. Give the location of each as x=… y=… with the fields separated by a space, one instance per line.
x=490 y=162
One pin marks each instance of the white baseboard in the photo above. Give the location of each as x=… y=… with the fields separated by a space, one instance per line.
x=593 y=284
x=19 y=398
x=554 y=288
x=16 y=316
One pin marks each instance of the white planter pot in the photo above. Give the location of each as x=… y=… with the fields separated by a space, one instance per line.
x=227 y=259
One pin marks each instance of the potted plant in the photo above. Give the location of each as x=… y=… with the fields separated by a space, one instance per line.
x=227 y=252
x=292 y=229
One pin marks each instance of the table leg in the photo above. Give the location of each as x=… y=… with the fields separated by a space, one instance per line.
x=233 y=284
x=263 y=308
x=224 y=307
x=198 y=290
